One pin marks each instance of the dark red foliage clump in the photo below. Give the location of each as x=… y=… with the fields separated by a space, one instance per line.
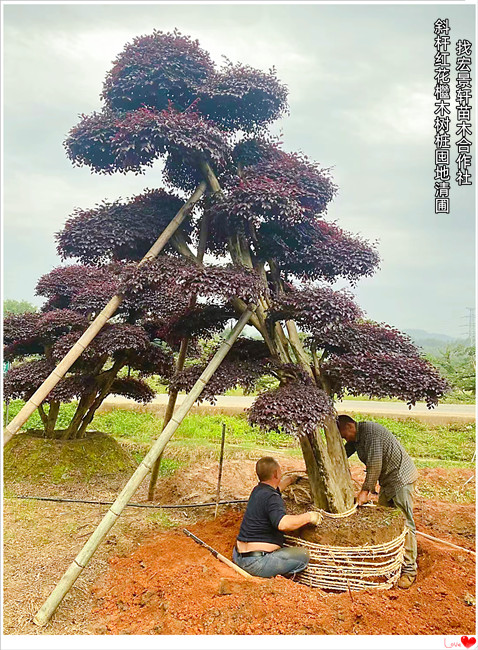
x=119 y=230
x=58 y=322
x=320 y=309
x=184 y=278
x=121 y=337
x=154 y=360
x=253 y=150
x=256 y=200
x=156 y=69
x=202 y=321
x=364 y=337
x=313 y=185
x=22 y=381
x=240 y=97
x=410 y=378
x=20 y=327
x=88 y=359
x=90 y=142
x=246 y=349
x=143 y=135
x=294 y=408
x=132 y=388
x=316 y=251
x=27 y=336
x=63 y=284
x=136 y=139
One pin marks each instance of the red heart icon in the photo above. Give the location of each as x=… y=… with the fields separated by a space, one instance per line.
x=468 y=641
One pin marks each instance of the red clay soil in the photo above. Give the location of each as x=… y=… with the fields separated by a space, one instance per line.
x=170 y=585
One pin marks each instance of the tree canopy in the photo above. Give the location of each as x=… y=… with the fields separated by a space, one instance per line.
x=264 y=224
x=11 y=306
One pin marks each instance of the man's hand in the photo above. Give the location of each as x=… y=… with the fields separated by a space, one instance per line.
x=315 y=517
x=363 y=497
x=290 y=479
x=293 y=522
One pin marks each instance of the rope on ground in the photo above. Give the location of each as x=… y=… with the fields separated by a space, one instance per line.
x=178 y=506
x=340 y=515
x=443 y=541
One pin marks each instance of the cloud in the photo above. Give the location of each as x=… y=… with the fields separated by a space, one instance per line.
x=404 y=113
x=360 y=87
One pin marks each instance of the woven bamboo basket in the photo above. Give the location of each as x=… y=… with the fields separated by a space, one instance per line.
x=343 y=568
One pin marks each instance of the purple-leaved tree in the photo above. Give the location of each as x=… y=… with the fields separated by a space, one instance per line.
x=265 y=213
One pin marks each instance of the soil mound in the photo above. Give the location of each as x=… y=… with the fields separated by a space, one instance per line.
x=170 y=585
x=367 y=526
x=28 y=456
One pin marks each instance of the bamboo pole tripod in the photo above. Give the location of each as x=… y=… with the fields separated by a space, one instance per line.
x=88 y=335
x=76 y=567
x=82 y=559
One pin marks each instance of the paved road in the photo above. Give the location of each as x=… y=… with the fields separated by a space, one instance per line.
x=443 y=414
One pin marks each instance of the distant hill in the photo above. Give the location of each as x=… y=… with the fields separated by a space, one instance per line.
x=431 y=341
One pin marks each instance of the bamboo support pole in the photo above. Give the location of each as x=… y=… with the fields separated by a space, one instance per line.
x=85 y=339
x=48 y=608
x=173 y=395
x=220 y=557
x=221 y=460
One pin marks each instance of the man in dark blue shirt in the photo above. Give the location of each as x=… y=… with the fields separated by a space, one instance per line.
x=259 y=544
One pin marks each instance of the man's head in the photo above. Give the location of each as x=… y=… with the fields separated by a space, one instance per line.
x=268 y=470
x=347 y=427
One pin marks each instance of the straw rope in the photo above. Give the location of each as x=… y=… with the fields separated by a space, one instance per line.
x=340 y=568
x=346 y=568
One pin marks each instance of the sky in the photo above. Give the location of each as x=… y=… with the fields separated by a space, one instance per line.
x=360 y=80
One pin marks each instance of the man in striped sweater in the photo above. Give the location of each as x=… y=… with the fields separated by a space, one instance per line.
x=387 y=463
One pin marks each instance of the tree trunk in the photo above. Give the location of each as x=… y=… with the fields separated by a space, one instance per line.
x=107 y=380
x=84 y=404
x=51 y=419
x=326 y=494
x=339 y=462
x=327 y=465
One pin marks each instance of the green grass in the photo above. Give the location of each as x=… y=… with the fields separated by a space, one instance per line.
x=451 y=442
x=162 y=520
x=34 y=421
x=445 y=445
x=142 y=428
x=428 y=490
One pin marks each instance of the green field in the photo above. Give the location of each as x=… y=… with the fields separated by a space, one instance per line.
x=450 y=445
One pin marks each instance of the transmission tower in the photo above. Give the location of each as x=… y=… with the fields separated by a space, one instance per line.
x=470 y=325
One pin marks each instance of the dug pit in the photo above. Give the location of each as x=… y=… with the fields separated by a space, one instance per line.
x=361 y=550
